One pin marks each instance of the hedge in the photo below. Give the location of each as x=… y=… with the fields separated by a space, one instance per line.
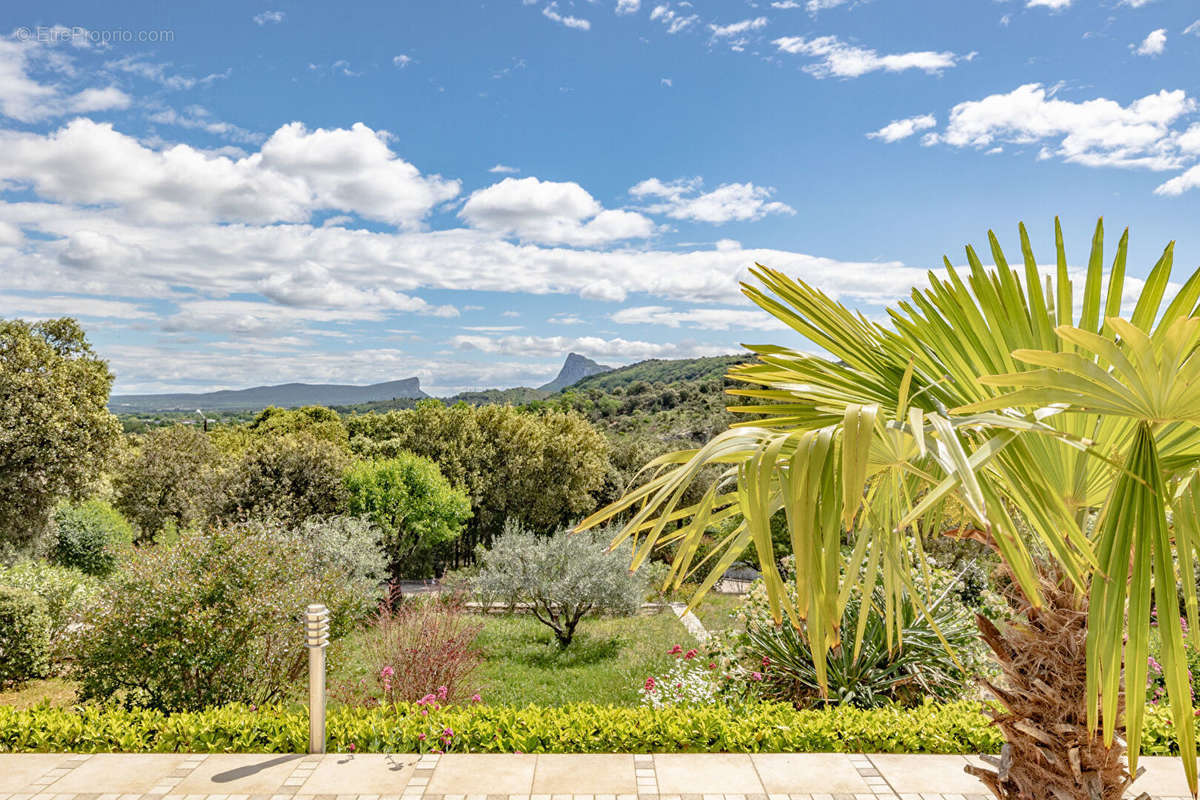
x=579 y=728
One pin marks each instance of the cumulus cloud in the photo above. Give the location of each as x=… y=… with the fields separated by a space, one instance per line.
x=628 y=6
x=714 y=319
x=24 y=98
x=903 y=128
x=59 y=305
x=840 y=60
x=551 y=12
x=1153 y=45
x=550 y=212
x=296 y=172
x=591 y=346
x=682 y=199
x=1097 y=132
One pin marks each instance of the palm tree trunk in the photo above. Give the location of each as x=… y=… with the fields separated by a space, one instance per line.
x=1048 y=753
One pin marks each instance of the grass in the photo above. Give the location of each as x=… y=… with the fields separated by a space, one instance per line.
x=607 y=662
x=716 y=611
x=57 y=692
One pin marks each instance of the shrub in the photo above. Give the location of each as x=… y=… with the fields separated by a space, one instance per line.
x=762 y=728
x=66 y=592
x=423 y=650
x=89 y=536
x=414 y=507
x=348 y=544
x=211 y=619
x=562 y=577
x=24 y=636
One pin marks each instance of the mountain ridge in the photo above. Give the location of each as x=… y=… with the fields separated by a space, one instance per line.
x=574 y=369
x=286 y=395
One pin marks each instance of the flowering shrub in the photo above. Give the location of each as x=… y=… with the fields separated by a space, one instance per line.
x=423 y=653
x=695 y=680
x=1156 y=685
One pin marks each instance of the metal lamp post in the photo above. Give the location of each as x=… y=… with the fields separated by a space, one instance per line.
x=316 y=628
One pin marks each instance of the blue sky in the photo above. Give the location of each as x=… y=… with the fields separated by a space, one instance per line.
x=244 y=193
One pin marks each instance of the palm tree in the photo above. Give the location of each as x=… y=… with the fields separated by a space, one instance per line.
x=988 y=405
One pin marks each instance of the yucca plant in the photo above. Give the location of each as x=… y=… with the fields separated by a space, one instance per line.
x=988 y=405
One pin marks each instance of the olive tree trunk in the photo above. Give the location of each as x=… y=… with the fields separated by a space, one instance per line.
x=1048 y=753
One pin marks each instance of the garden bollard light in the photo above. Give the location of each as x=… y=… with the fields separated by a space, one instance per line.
x=316 y=626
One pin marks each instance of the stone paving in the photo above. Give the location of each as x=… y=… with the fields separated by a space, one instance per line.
x=669 y=776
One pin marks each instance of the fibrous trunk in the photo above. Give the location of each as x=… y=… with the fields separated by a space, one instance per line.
x=1048 y=753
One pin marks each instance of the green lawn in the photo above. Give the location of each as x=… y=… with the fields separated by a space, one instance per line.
x=716 y=611
x=608 y=661
x=57 y=692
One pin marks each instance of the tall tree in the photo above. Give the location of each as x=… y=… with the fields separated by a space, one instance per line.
x=1059 y=436
x=56 y=433
x=167 y=479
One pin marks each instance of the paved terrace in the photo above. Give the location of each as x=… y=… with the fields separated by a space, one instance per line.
x=708 y=776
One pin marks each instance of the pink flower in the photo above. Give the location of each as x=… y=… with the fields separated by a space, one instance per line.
x=421 y=736
x=756 y=676
x=766 y=662
x=386 y=672
x=448 y=732
x=674 y=651
x=712 y=665
x=424 y=712
x=426 y=700
x=351 y=747
x=475 y=698
x=690 y=654
x=442 y=692
x=649 y=687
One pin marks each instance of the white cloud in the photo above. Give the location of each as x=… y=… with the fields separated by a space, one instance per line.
x=198 y=118
x=667 y=82
x=903 y=128
x=551 y=12
x=681 y=199
x=1135 y=3
x=269 y=17
x=12 y=305
x=1053 y=5
x=565 y=319
x=296 y=172
x=1193 y=29
x=402 y=60
x=158 y=73
x=28 y=100
x=1153 y=45
x=1189 y=179
x=504 y=169
x=591 y=346
x=715 y=319
x=628 y=6
x=673 y=20
x=841 y=60
x=738 y=28
x=550 y=212
x=1098 y=132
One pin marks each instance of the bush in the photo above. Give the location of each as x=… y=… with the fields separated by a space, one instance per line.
x=67 y=592
x=89 y=536
x=213 y=618
x=168 y=481
x=562 y=577
x=24 y=636
x=414 y=507
x=348 y=544
x=285 y=477
x=424 y=649
x=765 y=728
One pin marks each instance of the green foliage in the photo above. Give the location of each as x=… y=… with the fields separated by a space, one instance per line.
x=66 y=591
x=413 y=506
x=56 y=433
x=211 y=619
x=167 y=480
x=563 y=577
x=763 y=728
x=543 y=469
x=349 y=545
x=658 y=370
x=287 y=477
x=89 y=536
x=24 y=636
x=317 y=421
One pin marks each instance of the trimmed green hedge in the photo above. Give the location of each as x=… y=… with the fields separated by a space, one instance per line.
x=581 y=728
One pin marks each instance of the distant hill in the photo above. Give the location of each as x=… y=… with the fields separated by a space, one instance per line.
x=661 y=370
x=286 y=395
x=574 y=369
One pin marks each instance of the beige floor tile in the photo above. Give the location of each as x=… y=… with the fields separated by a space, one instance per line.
x=1164 y=777
x=360 y=774
x=18 y=770
x=483 y=773
x=246 y=773
x=927 y=774
x=584 y=774
x=808 y=773
x=706 y=773
x=124 y=773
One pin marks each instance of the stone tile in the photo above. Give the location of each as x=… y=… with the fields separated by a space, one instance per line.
x=712 y=773
x=922 y=774
x=1164 y=777
x=123 y=773
x=245 y=773
x=19 y=770
x=584 y=774
x=483 y=773
x=808 y=773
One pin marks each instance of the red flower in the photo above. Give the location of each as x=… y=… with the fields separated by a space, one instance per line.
x=674 y=651
x=690 y=654
x=649 y=687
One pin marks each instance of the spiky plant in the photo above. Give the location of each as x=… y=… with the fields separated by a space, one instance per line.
x=1062 y=437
